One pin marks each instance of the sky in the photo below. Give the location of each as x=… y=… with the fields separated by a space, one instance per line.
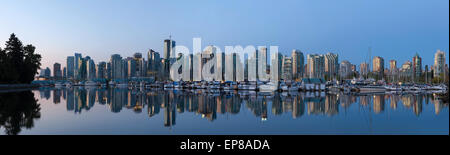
x=99 y=28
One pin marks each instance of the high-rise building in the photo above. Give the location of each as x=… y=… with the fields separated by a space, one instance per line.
x=406 y=70
x=392 y=65
x=331 y=65
x=417 y=66
x=116 y=66
x=345 y=69
x=262 y=63
x=140 y=66
x=298 y=62
x=124 y=68
x=90 y=69
x=378 y=66
x=316 y=66
x=276 y=66
x=78 y=60
x=64 y=73
x=83 y=71
x=439 y=63
x=206 y=56
x=47 y=72
x=70 y=67
x=169 y=56
x=57 y=74
x=101 y=70
x=109 y=74
x=286 y=72
x=187 y=68
x=154 y=63
x=131 y=68
x=220 y=67
x=364 y=69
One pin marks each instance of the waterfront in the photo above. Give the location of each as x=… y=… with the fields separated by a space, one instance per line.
x=85 y=110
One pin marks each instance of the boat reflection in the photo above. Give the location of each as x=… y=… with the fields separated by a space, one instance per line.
x=211 y=103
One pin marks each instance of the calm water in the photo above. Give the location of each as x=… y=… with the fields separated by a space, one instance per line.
x=118 y=111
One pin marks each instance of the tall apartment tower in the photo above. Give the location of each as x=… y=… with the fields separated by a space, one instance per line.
x=331 y=65
x=298 y=62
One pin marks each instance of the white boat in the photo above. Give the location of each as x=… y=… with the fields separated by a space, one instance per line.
x=269 y=87
x=393 y=88
x=284 y=87
x=246 y=87
x=168 y=86
x=294 y=87
x=230 y=86
x=177 y=86
x=371 y=89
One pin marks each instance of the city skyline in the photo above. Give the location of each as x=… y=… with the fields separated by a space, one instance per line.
x=325 y=66
x=346 y=32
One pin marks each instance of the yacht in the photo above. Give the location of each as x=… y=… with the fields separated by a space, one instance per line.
x=215 y=85
x=230 y=85
x=269 y=87
x=177 y=85
x=68 y=84
x=294 y=87
x=284 y=87
x=168 y=86
x=371 y=89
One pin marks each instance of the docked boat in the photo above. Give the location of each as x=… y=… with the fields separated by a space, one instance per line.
x=168 y=86
x=371 y=89
x=68 y=84
x=230 y=85
x=269 y=87
x=393 y=88
x=246 y=86
x=177 y=85
x=294 y=87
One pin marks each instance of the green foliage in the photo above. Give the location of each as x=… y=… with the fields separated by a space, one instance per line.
x=18 y=64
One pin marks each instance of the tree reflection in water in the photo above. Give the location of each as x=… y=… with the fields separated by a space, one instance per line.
x=18 y=110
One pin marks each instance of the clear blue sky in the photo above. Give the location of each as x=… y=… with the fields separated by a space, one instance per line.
x=395 y=29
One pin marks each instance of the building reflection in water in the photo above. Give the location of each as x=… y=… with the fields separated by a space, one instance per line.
x=211 y=104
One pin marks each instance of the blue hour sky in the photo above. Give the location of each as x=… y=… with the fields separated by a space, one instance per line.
x=98 y=28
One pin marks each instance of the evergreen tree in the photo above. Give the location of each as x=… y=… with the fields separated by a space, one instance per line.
x=18 y=64
x=32 y=63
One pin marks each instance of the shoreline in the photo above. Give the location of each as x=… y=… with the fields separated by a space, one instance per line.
x=17 y=86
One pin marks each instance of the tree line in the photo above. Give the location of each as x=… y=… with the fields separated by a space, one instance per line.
x=18 y=63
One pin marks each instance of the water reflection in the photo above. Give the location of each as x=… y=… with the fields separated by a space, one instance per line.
x=209 y=104
x=18 y=110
